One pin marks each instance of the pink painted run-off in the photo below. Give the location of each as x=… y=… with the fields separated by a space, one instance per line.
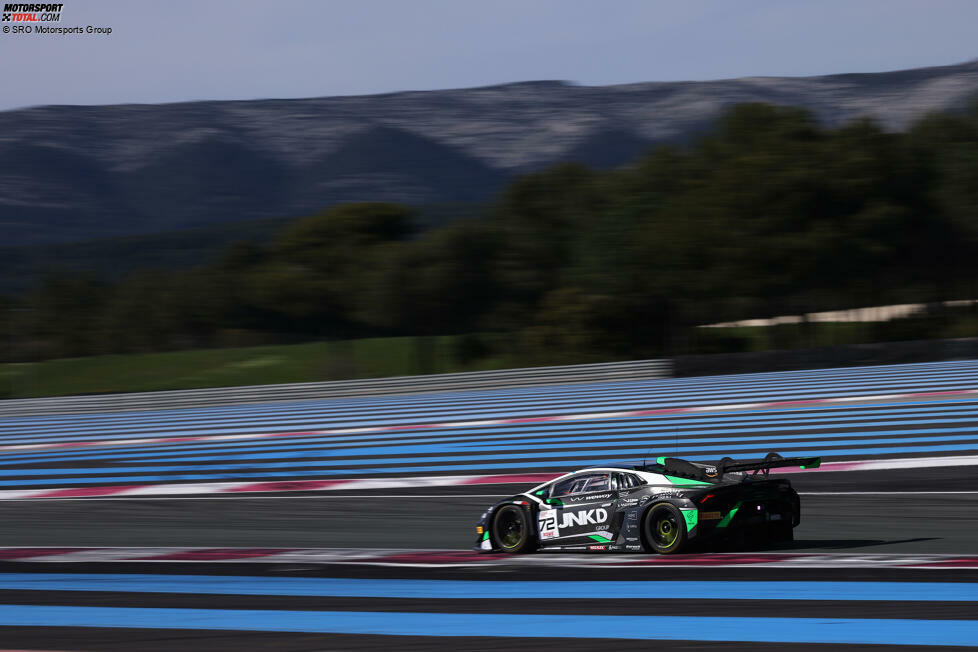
x=216 y=554
x=957 y=562
x=81 y=492
x=627 y=414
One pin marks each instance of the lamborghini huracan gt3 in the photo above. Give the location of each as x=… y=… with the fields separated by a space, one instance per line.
x=663 y=507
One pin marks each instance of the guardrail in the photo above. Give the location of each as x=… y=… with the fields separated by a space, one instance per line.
x=476 y=380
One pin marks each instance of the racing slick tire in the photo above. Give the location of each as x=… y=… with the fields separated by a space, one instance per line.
x=664 y=529
x=511 y=529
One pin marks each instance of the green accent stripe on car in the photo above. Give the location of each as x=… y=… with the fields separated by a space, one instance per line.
x=660 y=460
x=674 y=480
x=600 y=539
x=814 y=465
x=485 y=535
x=555 y=501
x=729 y=517
x=692 y=516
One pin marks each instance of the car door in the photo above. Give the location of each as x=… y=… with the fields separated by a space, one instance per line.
x=579 y=510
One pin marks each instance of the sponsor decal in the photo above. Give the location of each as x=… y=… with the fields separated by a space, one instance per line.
x=585 y=517
x=631 y=502
x=635 y=548
x=603 y=527
x=548 y=524
x=580 y=499
x=597 y=547
x=710 y=471
x=710 y=516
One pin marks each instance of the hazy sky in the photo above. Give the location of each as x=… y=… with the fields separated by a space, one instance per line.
x=174 y=50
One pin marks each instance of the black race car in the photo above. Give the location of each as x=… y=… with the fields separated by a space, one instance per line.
x=663 y=507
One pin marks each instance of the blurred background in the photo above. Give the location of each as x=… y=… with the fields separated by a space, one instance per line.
x=643 y=209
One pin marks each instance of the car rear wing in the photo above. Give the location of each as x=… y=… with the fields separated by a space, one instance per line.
x=714 y=472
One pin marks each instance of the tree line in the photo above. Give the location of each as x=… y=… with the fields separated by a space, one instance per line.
x=769 y=213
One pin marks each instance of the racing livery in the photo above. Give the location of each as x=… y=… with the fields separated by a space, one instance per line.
x=665 y=507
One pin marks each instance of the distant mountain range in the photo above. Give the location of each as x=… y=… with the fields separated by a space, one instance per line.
x=70 y=173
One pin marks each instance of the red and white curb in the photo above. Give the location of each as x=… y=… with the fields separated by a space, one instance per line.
x=460 y=558
x=627 y=414
x=368 y=484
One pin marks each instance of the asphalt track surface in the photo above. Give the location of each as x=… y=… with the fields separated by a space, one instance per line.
x=862 y=517
x=892 y=521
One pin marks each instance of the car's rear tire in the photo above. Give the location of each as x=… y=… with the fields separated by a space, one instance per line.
x=511 y=529
x=664 y=529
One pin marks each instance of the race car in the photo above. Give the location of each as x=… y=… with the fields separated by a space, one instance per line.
x=665 y=507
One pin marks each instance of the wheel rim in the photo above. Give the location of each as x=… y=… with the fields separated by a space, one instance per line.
x=509 y=529
x=665 y=530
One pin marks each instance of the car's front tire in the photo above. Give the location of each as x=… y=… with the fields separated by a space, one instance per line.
x=664 y=529
x=511 y=529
